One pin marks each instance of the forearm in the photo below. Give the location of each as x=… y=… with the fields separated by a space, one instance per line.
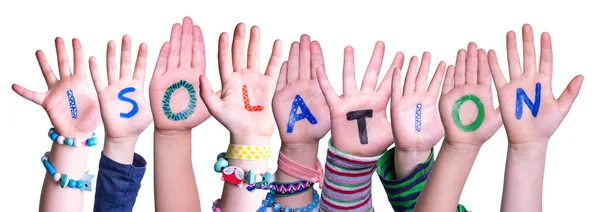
x=448 y=176
x=405 y=162
x=304 y=154
x=235 y=198
x=174 y=182
x=121 y=150
x=524 y=176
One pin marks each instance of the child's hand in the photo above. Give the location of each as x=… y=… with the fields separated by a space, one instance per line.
x=174 y=94
x=359 y=125
x=416 y=124
x=529 y=110
x=299 y=106
x=244 y=105
x=125 y=111
x=73 y=110
x=466 y=105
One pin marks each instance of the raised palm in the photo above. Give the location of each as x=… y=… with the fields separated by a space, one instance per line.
x=539 y=120
x=74 y=117
x=466 y=105
x=297 y=87
x=122 y=102
x=366 y=104
x=416 y=123
x=244 y=105
x=174 y=95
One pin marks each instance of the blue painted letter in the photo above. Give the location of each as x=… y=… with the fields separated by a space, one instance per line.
x=522 y=97
x=418 y=117
x=72 y=104
x=294 y=116
x=134 y=110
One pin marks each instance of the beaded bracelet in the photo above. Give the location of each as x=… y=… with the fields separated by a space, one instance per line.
x=290 y=188
x=84 y=183
x=54 y=136
x=235 y=175
x=270 y=202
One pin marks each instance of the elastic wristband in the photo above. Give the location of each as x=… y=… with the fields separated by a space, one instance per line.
x=282 y=189
x=59 y=139
x=247 y=152
x=84 y=183
x=300 y=171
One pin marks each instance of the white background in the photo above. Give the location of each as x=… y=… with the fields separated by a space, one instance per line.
x=442 y=27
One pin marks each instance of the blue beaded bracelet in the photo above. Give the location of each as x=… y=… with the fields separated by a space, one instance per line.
x=84 y=183
x=54 y=136
x=270 y=202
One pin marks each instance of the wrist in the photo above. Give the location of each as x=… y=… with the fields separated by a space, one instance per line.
x=528 y=151
x=461 y=147
x=304 y=153
x=254 y=140
x=120 y=150
x=406 y=161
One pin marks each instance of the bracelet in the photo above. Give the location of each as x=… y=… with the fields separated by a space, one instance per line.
x=71 y=141
x=270 y=202
x=290 y=188
x=246 y=152
x=84 y=183
x=235 y=175
x=300 y=171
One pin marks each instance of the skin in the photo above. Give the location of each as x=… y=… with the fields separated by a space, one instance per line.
x=182 y=58
x=298 y=77
x=528 y=137
x=65 y=159
x=246 y=128
x=120 y=141
x=459 y=150
x=414 y=147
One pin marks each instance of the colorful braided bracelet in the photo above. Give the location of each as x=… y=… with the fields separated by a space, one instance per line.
x=290 y=188
x=54 y=136
x=84 y=183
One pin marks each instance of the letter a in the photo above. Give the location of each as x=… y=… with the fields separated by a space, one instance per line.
x=523 y=98
x=294 y=116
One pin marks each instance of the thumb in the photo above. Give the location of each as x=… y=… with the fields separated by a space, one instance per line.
x=210 y=98
x=568 y=96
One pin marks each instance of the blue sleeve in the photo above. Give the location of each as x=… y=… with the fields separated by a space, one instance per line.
x=118 y=184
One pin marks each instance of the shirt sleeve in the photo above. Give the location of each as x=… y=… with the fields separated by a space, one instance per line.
x=403 y=193
x=118 y=184
x=347 y=183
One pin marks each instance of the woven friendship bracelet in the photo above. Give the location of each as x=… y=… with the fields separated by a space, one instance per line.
x=290 y=188
x=246 y=152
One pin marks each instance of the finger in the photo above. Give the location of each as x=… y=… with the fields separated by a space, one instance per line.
x=316 y=58
x=459 y=70
x=566 y=99
x=254 y=49
x=211 y=99
x=483 y=70
x=471 y=64
x=140 y=63
x=282 y=79
x=436 y=81
x=349 y=81
x=386 y=83
x=293 y=63
x=99 y=82
x=112 y=73
x=238 y=50
x=529 y=61
x=125 y=58
x=330 y=96
x=224 y=57
x=47 y=72
x=546 y=55
x=161 y=62
x=411 y=73
x=371 y=76
x=187 y=42
x=175 y=42
x=79 y=61
x=63 y=59
x=304 y=64
x=33 y=96
x=499 y=80
x=198 y=51
x=273 y=65
x=396 y=84
x=512 y=54
x=448 y=80
x=423 y=75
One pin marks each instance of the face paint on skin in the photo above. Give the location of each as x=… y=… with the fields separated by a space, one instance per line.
x=134 y=110
x=522 y=97
x=418 y=117
x=166 y=102
x=294 y=116
x=72 y=104
x=480 y=113
x=361 y=118
x=247 y=105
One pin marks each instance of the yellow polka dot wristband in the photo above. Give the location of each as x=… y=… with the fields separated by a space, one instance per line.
x=245 y=152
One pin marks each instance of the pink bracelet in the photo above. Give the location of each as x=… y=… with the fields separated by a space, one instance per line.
x=299 y=171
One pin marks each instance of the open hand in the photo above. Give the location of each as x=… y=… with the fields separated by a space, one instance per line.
x=530 y=111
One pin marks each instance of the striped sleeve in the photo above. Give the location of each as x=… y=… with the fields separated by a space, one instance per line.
x=347 y=183
x=403 y=193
